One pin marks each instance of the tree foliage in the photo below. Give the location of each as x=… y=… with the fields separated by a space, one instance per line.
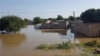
x=25 y=19
x=71 y=18
x=59 y=17
x=37 y=20
x=77 y=18
x=50 y=18
x=11 y=23
x=91 y=16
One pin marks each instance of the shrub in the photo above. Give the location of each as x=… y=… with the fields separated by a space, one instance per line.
x=53 y=46
x=64 y=45
x=42 y=46
x=91 y=43
x=98 y=45
x=11 y=23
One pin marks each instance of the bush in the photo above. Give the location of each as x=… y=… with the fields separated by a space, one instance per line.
x=98 y=45
x=64 y=45
x=91 y=43
x=37 y=20
x=11 y=23
x=53 y=46
x=42 y=46
x=91 y=16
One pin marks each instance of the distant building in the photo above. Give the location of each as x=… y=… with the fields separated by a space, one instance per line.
x=88 y=29
x=30 y=22
x=60 y=24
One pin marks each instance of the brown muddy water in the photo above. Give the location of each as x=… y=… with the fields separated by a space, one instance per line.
x=24 y=42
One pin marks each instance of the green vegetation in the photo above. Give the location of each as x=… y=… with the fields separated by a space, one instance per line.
x=52 y=19
x=64 y=45
x=98 y=45
x=11 y=23
x=71 y=18
x=92 y=44
x=37 y=20
x=83 y=54
x=96 y=54
x=25 y=19
x=42 y=46
x=91 y=16
x=59 y=17
x=77 y=18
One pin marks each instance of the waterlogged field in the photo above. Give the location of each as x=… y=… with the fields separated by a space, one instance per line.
x=49 y=43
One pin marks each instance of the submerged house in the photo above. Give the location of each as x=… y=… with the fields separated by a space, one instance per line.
x=49 y=24
x=88 y=29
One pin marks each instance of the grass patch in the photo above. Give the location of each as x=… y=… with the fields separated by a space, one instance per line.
x=64 y=45
x=83 y=54
x=96 y=54
x=92 y=44
x=98 y=45
x=42 y=46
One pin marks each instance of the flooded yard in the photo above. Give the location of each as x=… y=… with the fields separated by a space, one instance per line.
x=24 y=43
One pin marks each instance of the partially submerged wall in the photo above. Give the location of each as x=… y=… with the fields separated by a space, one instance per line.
x=88 y=29
x=59 y=25
x=82 y=28
x=95 y=29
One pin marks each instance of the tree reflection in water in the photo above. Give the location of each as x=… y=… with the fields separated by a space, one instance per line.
x=12 y=40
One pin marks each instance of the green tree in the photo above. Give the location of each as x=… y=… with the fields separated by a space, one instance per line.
x=59 y=17
x=77 y=18
x=71 y=18
x=25 y=19
x=37 y=20
x=91 y=16
x=11 y=23
x=66 y=19
x=53 y=19
x=50 y=18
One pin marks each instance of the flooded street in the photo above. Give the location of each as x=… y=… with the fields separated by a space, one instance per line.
x=24 y=43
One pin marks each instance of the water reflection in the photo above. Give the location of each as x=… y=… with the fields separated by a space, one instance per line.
x=59 y=31
x=65 y=34
x=12 y=39
x=84 y=39
x=25 y=47
x=87 y=39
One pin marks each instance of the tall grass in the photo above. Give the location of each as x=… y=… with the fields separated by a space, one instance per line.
x=63 y=45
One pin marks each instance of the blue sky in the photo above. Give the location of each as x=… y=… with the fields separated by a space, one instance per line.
x=45 y=8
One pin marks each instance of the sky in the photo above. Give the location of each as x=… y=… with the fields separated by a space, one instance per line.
x=46 y=8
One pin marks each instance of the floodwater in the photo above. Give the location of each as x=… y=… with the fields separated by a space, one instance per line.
x=24 y=43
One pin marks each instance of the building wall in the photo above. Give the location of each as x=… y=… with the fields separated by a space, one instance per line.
x=89 y=29
x=95 y=29
x=82 y=28
x=60 y=25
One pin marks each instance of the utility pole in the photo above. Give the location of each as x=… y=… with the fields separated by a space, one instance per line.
x=73 y=14
x=74 y=35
